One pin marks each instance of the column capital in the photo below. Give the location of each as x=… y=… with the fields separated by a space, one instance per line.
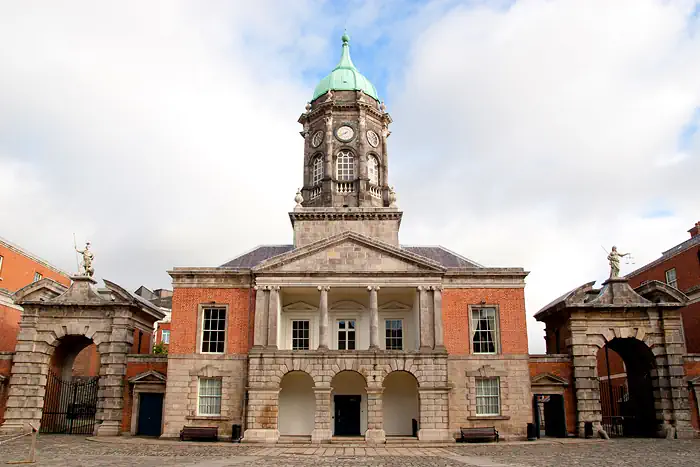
x=420 y=288
x=373 y=287
x=325 y=288
x=437 y=288
x=274 y=287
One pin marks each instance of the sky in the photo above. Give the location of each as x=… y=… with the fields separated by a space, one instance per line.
x=526 y=133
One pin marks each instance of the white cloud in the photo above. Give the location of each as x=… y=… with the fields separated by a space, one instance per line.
x=542 y=126
x=525 y=135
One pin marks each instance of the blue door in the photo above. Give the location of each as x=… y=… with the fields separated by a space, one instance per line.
x=150 y=414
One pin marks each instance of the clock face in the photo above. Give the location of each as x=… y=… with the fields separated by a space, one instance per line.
x=373 y=138
x=345 y=133
x=317 y=138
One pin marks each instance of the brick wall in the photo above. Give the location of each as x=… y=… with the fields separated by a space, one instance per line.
x=692 y=370
x=145 y=346
x=18 y=270
x=159 y=334
x=564 y=370
x=186 y=303
x=87 y=362
x=512 y=325
x=9 y=327
x=5 y=367
x=687 y=266
x=134 y=369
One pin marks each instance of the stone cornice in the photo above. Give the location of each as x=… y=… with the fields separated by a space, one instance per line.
x=486 y=278
x=211 y=278
x=351 y=214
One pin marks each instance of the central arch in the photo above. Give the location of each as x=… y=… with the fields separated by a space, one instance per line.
x=627 y=374
x=70 y=401
x=400 y=404
x=297 y=404
x=349 y=403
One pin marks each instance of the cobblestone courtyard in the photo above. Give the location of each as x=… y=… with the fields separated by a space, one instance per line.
x=60 y=451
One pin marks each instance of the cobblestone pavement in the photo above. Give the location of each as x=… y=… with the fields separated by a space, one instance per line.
x=74 y=451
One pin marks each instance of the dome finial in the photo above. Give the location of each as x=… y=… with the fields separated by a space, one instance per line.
x=345 y=38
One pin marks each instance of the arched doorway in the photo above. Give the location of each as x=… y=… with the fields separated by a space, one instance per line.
x=297 y=404
x=400 y=404
x=349 y=404
x=70 y=401
x=627 y=375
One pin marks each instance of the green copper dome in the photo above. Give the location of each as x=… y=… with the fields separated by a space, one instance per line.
x=345 y=76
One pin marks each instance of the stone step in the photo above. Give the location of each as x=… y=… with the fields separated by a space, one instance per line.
x=349 y=440
x=288 y=439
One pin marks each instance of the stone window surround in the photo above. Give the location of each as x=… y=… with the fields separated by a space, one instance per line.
x=485 y=372
x=497 y=396
x=199 y=395
x=343 y=174
x=208 y=371
x=497 y=332
x=200 y=326
x=157 y=387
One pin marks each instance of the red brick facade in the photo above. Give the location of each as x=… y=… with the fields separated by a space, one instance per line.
x=134 y=369
x=511 y=312
x=19 y=269
x=564 y=371
x=186 y=307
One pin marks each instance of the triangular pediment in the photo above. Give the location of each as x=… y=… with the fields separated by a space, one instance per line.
x=395 y=306
x=148 y=377
x=346 y=305
x=299 y=306
x=548 y=379
x=349 y=252
x=42 y=290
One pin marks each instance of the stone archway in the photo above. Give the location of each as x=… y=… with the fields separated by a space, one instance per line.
x=349 y=404
x=400 y=404
x=628 y=378
x=59 y=321
x=297 y=405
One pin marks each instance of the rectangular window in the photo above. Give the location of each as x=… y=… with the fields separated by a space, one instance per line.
x=394 y=334
x=671 y=278
x=488 y=396
x=300 y=335
x=484 y=330
x=166 y=337
x=37 y=277
x=209 y=396
x=346 y=334
x=213 y=329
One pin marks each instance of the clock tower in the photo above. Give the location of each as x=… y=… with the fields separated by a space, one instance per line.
x=345 y=131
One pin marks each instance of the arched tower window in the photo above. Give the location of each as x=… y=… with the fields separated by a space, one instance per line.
x=345 y=166
x=317 y=171
x=373 y=170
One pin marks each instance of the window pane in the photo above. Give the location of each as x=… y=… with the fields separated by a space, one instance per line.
x=345 y=165
x=209 y=396
x=213 y=329
x=373 y=170
x=484 y=330
x=488 y=396
x=317 y=171
x=300 y=335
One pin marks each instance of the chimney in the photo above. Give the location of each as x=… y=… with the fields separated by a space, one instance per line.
x=695 y=231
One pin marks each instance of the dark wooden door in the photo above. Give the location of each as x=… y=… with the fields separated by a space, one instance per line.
x=554 y=416
x=150 y=414
x=347 y=415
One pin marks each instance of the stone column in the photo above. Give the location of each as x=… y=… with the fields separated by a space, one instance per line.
x=434 y=414
x=110 y=396
x=263 y=408
x=373 y=317
x=375 y=416
x=586 y=384
x=426 y=321
x=322 y=420
x=323 y=334
x=416 y=318
x=28 y=378
x=273 y=315
x=261 y=302
x=437 y=316
x=671 y=360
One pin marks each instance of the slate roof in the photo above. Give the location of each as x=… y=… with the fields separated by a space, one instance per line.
x=439 y=254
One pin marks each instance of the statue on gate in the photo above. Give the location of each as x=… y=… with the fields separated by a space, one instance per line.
x=614 y=259
x=88 y=257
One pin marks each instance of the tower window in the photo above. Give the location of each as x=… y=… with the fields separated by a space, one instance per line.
x=317 y=171
x=346 y=166
x=373 y=170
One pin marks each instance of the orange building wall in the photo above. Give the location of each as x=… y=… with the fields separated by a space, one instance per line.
x=159 y=334
x=512 y=325
x=186 y=301
x=87 y=362
x=692 y=370
x=18 y=270
x=133 y=369
x=563 y=370
x=5 y=368
x=687 y=266
x=145 y=342
x=9 y=327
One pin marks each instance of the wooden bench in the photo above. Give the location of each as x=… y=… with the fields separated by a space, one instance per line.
x=199 y=432
x=486 y=432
